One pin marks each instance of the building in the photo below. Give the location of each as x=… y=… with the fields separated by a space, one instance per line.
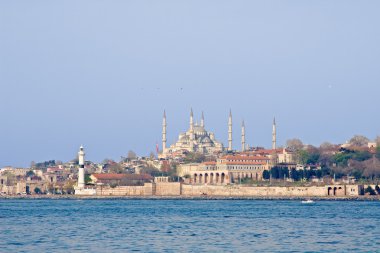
x=282 y=155
x=195 y=139
x=230 y=169
x=186 y=169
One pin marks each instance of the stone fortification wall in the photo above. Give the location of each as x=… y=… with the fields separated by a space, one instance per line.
x=168 y=189
x=178 y=189
x=236 y=191
x=145 y=190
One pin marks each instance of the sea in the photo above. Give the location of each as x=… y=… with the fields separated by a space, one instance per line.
x=168 y=225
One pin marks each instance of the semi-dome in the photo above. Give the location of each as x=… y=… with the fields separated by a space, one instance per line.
x=195 y=139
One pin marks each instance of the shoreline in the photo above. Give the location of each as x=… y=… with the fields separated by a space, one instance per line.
x=78 y=197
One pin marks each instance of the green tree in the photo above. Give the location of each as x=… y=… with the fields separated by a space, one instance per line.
x=87 y=179
x=37 y=190
x=266 y=174
x=313 y=158
x=303 y=156
x=279 y=173
x=370 y=190
x=342 y=158
x=378 y=152
x=295 y=175
x=30 y=173
x=377 y=188
x=361 y=155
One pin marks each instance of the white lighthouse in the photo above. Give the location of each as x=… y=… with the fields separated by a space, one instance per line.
x=80 y=188
x=81 y=155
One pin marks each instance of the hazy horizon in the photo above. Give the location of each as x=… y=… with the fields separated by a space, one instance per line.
x=101 y=73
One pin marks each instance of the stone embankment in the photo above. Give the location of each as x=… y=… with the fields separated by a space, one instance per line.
x=177 y=190
x=76 y=197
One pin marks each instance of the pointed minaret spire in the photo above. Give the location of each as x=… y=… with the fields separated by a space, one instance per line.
x=242 y=136
x=274 y=134
x=203 y=120
x=164 y=133
x=230 y=132
x=192 y=136
x=191 y=118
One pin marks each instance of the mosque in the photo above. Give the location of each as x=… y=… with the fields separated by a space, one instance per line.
x=197 y=139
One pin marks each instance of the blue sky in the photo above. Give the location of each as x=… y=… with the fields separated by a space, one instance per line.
x=100 y=73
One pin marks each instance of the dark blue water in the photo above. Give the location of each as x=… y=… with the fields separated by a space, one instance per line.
x=188 y=226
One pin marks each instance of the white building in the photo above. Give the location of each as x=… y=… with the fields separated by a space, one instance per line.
x=196 y=139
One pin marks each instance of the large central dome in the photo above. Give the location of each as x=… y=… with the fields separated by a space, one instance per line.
x=195 y=139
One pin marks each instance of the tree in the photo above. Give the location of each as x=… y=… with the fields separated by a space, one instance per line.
x=131 y=155
x=377 y=140
x=37 y=190
x=151 y=171
x=295 y=175
x=266 y=174
x=194 y=157
x=378 y=152
x=377 y=188
x=69 y=187
x=326 y=146
x=30 y=173
x=372 y=168
x=294 y=144
x=115 y=168
x=359 y=141
x=279 y=172
x=342 y=158
x=87 y=179
x=303 y=156
x=152 y=156
x=361 y=155
x=370 y=190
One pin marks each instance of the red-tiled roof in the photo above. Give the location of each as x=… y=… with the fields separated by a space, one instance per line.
x=244 y=158
x=244 y=163
x=209 y=163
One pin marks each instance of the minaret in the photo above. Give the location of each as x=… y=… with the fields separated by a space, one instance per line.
x=274 y=134
x=81 y=154
x=230 y=132
x=203 y=120
x=192 y=137
x=242 y=136
x=164 y=133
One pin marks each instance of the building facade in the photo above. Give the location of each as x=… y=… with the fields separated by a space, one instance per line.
x=230 y=169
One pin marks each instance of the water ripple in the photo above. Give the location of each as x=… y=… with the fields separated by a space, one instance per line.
x=188 y=226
